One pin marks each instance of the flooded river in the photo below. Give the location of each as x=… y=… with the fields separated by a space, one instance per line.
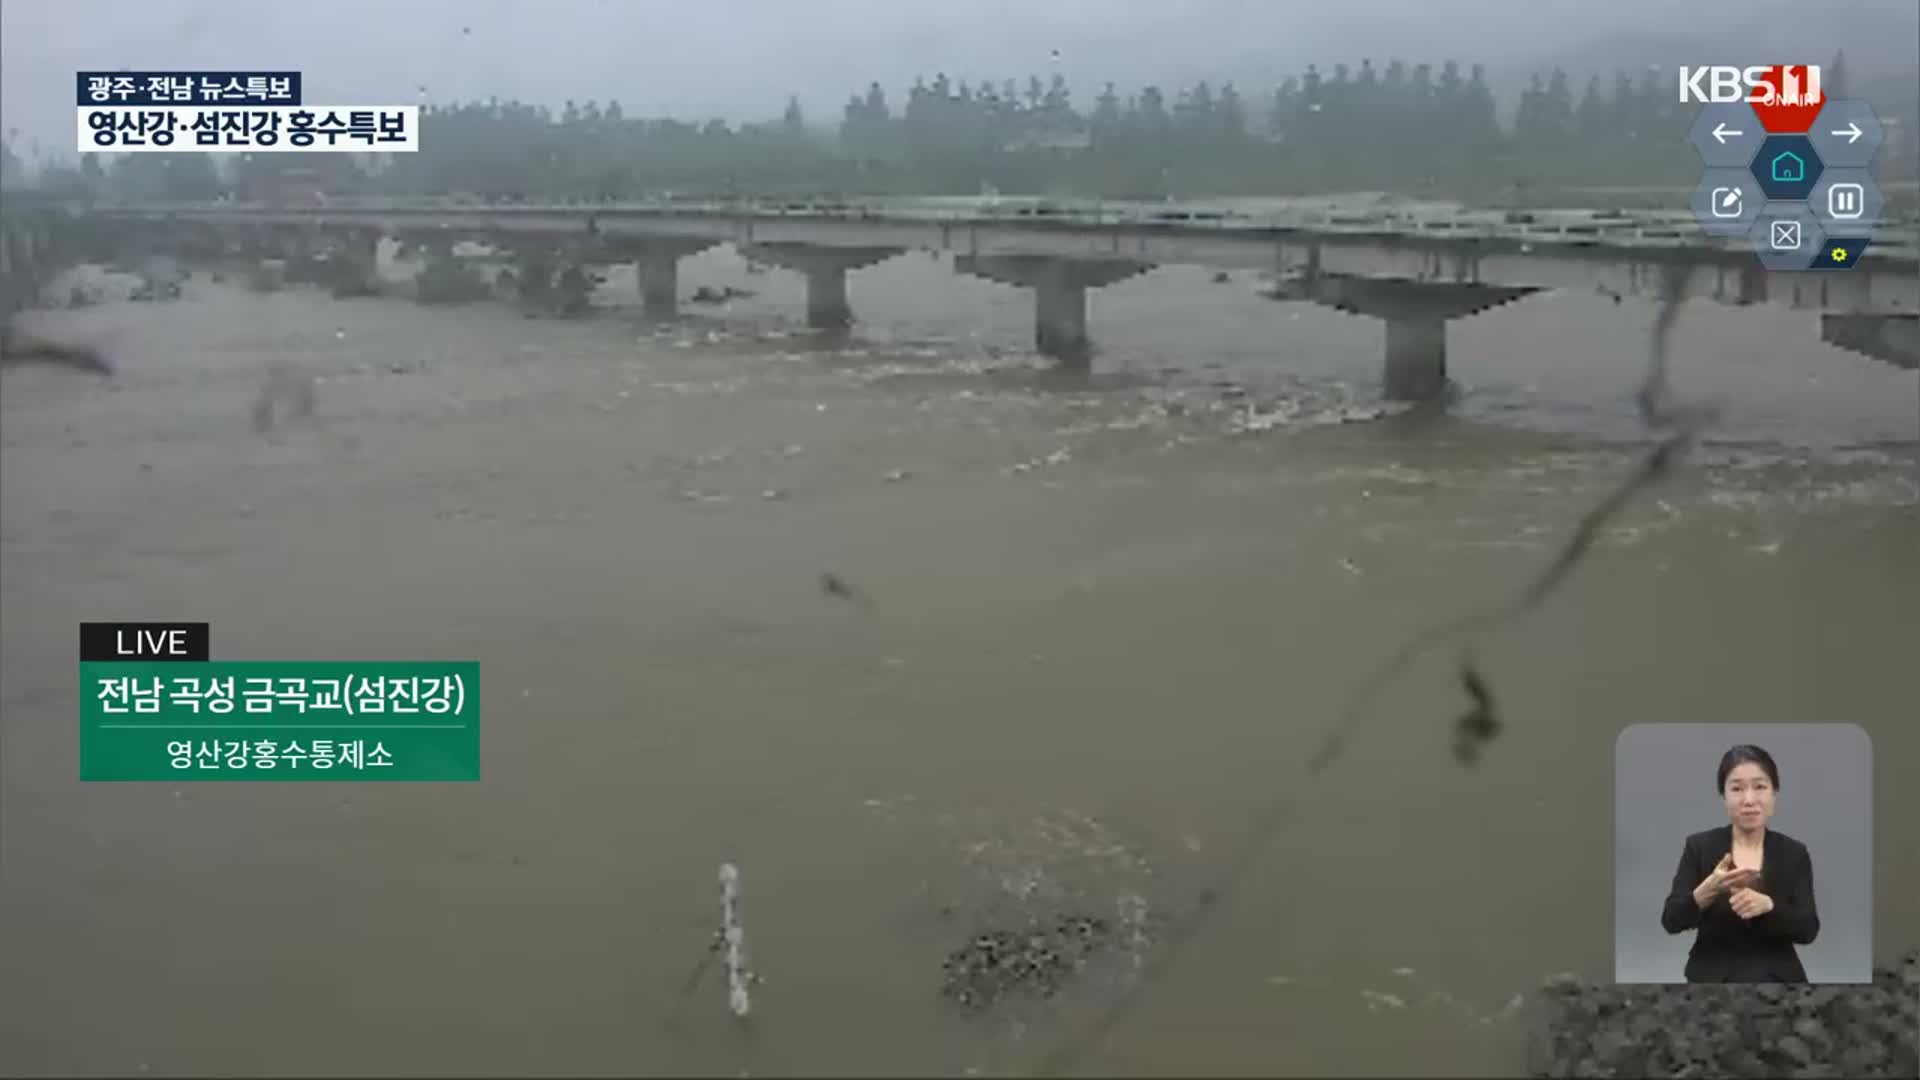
x=1104 y=624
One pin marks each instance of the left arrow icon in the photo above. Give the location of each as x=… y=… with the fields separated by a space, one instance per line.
x=1722 y=132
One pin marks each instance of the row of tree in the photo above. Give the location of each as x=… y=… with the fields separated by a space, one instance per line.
x=1398 y=126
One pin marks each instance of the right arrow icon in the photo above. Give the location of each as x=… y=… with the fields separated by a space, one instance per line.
x=1851 y=131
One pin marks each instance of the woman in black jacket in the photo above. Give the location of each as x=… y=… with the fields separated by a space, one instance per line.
x=1747 y=889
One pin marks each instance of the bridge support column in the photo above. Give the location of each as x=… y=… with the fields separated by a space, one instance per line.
x=1060 y=323
x=826 y=271
x=1416 y=368
x=443 y=278
x=359 y=270
x=659 y=276
x=291 y=250
x=656 y=265
x=1059 y=296
x=827 y=306
x=1416 y=314
x=533 y=274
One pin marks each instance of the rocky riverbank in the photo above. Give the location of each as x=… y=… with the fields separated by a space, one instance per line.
x=1774 y=1031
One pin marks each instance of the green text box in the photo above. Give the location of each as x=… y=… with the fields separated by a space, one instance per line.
x=226 y=719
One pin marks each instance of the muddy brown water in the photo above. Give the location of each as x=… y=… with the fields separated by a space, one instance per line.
x=1108 y=623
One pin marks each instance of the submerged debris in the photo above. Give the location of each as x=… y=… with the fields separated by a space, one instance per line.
x=287 y=394
x=1038 y=961
x=833 y=585
x=706 y=294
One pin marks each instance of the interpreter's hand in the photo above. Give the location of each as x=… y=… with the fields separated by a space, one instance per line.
x=1750 y=903
x=1726 y=878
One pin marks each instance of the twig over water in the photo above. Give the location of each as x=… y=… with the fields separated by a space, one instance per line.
x=1481 y=722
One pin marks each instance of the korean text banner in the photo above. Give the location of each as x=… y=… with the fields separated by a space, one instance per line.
x=232 y=720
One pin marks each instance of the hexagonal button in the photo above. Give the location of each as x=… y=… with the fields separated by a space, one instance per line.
x=1727 y=134
x=1727 y=202
x=1787 y=237
x=1790 y=102
x=1840 y=252
x=1848 y=134
x=1846 y=200
x=1786 y=167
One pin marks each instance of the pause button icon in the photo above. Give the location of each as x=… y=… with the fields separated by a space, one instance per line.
x=1846 y=200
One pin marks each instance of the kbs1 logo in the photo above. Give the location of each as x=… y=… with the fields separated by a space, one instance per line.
x=1785 y=97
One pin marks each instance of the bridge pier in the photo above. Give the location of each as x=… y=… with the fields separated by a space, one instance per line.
x=1060 y=322
x=263 y=251
x=827 y=306
x=572 y=291
x=1416 y=364
x=533 y=272
x=299 y=248
x=443 y=278
x=358 y=254
x=659 y=276
x=1059 y=296
x=1416 y=314
x=656 y=264
x=554 y=278
x=826 y=273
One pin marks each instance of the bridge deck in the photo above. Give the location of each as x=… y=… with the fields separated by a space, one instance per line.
x=1333 y=216
x=1609 y=251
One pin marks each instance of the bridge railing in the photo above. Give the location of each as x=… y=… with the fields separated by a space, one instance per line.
x=1677 y=229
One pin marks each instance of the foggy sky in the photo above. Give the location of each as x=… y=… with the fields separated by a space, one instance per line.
x=740 y=59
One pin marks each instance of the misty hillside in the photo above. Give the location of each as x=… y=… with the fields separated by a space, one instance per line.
x=1882 y=49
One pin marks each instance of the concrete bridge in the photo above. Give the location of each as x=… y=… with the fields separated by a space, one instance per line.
x=1415 y=267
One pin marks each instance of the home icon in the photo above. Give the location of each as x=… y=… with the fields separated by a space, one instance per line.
x=1789 y=168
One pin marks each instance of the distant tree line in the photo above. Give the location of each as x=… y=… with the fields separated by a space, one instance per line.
x=1403 y=127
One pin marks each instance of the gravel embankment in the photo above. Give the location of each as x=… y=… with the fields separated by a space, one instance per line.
x=1758 y=1030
